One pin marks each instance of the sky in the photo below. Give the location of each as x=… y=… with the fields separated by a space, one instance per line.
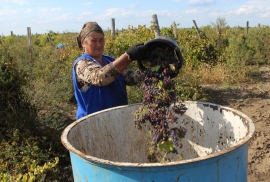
x=70 y=15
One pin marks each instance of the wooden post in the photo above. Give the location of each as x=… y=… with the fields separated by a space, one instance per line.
x=113 y=27
x=247 y=27
x=174 y=30
x=197 y=29
x=218 y=29
x=29 y=41
x=49 y=38
x=156 y=26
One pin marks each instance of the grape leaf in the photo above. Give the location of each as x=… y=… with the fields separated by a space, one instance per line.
x=155 y=68
x=159 y=84
x=165 y=145
x=172 y=67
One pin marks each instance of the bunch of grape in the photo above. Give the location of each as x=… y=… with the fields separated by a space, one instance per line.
x=160 y=105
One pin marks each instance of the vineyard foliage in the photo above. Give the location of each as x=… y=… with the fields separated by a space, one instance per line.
x=36 y=90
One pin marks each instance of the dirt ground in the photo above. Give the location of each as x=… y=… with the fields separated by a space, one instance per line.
x=252 y=99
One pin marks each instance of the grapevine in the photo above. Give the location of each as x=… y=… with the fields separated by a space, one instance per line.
x=160 y=105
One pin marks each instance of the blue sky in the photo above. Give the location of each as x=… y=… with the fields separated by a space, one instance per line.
x=70 y=15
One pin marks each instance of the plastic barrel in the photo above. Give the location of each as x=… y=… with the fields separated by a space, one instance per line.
x=105 y=146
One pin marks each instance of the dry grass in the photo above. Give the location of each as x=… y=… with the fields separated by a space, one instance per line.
x=213 y=75
x=220 y=74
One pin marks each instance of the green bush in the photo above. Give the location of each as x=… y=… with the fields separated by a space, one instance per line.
x=27 y=153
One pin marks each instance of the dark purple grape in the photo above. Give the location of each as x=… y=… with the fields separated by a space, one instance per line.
x=158 y=98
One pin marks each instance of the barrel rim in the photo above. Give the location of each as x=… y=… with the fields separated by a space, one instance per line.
x=67 y=145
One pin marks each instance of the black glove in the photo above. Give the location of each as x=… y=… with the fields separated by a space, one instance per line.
x=136 y=52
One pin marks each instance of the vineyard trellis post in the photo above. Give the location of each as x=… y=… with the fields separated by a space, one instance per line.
x=156 y=26
x=247 y=26
x=49 y=38
x=113 y=27
x=218 y=29
x=174 y=30
x=29 y=41
x=197 y=29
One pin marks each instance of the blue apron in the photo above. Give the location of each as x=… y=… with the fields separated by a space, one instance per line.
x=97 y=98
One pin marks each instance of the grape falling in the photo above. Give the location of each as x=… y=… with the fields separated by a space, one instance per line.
x=160 y=106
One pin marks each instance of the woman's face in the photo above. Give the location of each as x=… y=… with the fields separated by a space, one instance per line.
x=94 y=44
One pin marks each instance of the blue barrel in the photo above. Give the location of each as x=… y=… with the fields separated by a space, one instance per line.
x=105 y=146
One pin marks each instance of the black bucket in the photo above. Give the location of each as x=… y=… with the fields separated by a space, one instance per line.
x=165 y=46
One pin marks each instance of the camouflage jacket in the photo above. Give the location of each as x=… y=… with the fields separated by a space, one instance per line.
x=90 y=73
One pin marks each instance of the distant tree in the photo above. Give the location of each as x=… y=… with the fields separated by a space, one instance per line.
x=221 y=22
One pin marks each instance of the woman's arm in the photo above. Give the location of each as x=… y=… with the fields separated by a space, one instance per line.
x=90 y=73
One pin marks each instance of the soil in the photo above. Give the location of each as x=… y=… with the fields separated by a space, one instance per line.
x=252 y=99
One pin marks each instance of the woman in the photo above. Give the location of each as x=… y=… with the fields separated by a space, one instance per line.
x=100 y=80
